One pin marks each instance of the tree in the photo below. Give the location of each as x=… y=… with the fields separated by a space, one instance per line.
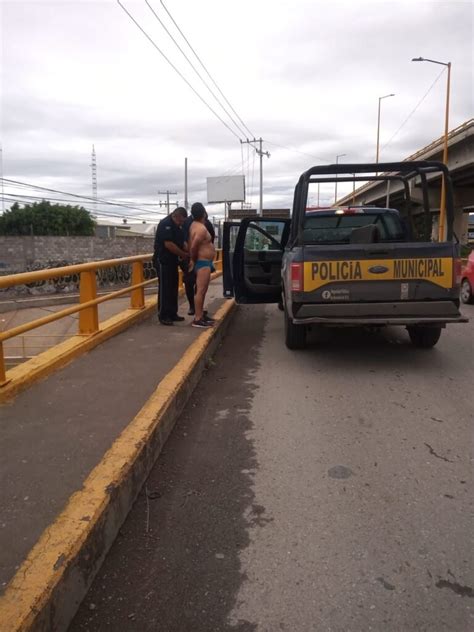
x=44 y=218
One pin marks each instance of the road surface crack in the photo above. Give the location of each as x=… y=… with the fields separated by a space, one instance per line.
x=463 y=591
x=438 y=456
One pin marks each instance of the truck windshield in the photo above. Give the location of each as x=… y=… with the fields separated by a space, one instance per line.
x=323 y=228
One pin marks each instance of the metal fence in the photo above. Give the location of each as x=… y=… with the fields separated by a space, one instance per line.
x=87 y=276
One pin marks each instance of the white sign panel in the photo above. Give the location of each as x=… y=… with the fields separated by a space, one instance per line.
x=226 y=189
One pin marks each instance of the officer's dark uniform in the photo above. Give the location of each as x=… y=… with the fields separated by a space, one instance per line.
x=166 y=263
x=189 y=278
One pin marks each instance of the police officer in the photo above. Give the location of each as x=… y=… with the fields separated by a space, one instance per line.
x=169 y=249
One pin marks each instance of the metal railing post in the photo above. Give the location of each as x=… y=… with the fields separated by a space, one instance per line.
x=89 y=317
x=3 y=374
x=137 y=296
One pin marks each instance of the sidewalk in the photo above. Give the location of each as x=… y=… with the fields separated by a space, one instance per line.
x=53 y=434
x=28 y=345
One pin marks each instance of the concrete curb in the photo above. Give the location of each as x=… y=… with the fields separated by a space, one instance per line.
x=47 y=589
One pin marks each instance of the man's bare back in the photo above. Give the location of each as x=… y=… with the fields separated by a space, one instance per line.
x=201 y=239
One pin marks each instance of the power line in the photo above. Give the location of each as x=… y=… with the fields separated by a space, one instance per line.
x=64 y=200
x=236 y=169
x=206 y=70
x=414 y=109
x=24 y=185
x=297 y=151
x=20 y=200
x=74 y=195
x=241 y=131
x=27 y=199
x=176 y=69
x=125 y=203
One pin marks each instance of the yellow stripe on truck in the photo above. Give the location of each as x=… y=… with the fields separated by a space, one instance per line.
x=319 y=273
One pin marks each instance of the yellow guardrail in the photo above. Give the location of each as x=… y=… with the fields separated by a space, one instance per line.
x=88 y=300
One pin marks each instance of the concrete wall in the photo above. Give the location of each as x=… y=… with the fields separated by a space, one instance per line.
x=18 y=254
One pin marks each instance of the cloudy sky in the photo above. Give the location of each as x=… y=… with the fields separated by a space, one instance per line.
x=303 y=74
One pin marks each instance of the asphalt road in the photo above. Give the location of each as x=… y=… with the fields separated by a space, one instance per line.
x=326 y=490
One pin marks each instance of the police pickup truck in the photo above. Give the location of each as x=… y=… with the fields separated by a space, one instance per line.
x=352 y=266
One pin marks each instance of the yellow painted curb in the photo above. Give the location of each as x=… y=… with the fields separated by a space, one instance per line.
x=49 y=586
x=45 y=363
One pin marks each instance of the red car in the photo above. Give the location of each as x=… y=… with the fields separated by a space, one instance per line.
x=467 y=282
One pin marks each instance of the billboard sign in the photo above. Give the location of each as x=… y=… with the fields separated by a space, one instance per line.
x=241 y=213
x=226 y=189
x=276 y=213
x=268 y=213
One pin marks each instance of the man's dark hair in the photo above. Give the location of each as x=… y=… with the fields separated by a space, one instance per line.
x=198 y=211
x=180 y=210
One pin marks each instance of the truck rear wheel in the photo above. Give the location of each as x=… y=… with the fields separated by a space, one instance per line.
x=295 y=335
x=424 y=337
x=467 y=295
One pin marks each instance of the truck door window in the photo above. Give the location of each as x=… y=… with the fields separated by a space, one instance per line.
x=263 y=237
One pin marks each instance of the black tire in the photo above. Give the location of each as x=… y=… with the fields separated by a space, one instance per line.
x=424 y=337
x=295 y=335
x=466 y=292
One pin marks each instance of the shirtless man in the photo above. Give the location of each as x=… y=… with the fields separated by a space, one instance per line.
x=202 y=252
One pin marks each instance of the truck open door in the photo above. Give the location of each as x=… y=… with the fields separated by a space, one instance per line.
x=229 y=237
x=254 y=260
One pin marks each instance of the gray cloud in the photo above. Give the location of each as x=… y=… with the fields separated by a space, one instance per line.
x=79 y=73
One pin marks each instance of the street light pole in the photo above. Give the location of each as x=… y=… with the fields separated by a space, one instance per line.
x=378 y=126
x=335 y=183
x=442 y=205
x=442 y=208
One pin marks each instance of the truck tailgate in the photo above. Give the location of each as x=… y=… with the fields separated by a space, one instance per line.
x=377 y=273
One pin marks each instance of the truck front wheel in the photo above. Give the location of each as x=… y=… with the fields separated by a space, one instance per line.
x=424 y=337
x=295 y=335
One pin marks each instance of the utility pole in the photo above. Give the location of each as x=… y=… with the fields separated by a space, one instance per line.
x=260 y=153
x=94 y=178
x=186 y=203
x=1 y=176
x=167 y=203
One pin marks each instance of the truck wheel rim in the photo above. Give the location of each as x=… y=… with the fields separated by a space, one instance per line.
x=465 y=291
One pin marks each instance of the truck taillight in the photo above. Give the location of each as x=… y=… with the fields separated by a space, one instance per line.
x=297 y=277
x=457 y=272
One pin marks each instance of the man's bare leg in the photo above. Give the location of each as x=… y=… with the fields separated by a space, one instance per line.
x=203 y=277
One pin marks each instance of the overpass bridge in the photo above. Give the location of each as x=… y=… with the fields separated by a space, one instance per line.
x=461 y=166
